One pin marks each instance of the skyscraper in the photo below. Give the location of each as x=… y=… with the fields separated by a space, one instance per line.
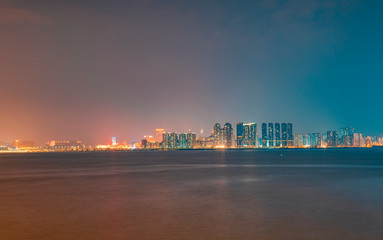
x=165 y=140
x=271 y=135
x=284 y=135
x=191 y=139
x=290 y=137
x=277 y=134
x=173 y=140
x=227 y=135
x=239 y=134
x=264 y=135
x=169 y=140
x=358 y=140
x=159 y=132
x=246 y=134
x=182 y=140
x=253 y=134
x=346 y=136
x=332 y=138
x=217 y=134
x=316 y=140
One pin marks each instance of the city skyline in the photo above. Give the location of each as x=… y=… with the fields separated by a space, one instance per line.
x=244 y=135
x=270 y=134
x=93 y=69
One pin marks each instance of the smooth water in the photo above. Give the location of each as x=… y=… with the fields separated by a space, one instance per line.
x=280 y=194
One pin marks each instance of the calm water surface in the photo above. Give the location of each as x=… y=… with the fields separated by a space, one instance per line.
x=286 y=194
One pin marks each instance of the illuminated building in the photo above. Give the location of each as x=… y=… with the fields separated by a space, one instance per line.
x=217 y=134
x=182 y=140
x=159 y=133
x=316 y=140
x=144 y=143
x=368 y=142
x=290 y=138
x=191 y=140
x=358 y=140
x=200 y=142
x=114 y=141
x=227 y=135
x=271 y=134
x=277 y=134
x=264 y=135
x=210 y=141
x=169 y=140
x=284 y=134
x=239 y=134
x=67 y=144
x=149 y=138
x=298 y=140
x=165 y=140
x=223 y=137
x=246 y=135
x=346 y=136
x=306 y=140
x=332 y=138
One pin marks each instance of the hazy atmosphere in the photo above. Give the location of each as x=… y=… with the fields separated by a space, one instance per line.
x=91 y=70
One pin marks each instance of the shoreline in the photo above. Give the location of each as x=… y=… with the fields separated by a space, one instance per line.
x=186 y=150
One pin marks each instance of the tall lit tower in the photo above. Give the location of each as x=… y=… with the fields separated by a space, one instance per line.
x=227 y=135
x=271 y=135
x=290 y=136
x=264 y=134
x=239 y=134
x=284 y=134
x=277 y=134
x=159 y=134
x=217 y=134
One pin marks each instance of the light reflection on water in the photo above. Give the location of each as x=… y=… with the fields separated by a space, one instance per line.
x=192 y=195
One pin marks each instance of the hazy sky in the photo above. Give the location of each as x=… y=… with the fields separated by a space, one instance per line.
x=91 y=69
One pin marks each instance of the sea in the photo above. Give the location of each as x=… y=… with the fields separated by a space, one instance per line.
x=216 y=194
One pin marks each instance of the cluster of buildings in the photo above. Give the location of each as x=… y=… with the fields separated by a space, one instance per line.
x=271 y=135
x=345 y=137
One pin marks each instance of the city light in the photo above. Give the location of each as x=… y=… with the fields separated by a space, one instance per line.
x=245 y=136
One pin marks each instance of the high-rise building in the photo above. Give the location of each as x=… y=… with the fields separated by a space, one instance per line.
x=169 y=140
x=239 y=134
x=191 y=140
x=284 y=134
x=159 y=133
x=346 y=136
x=227 y=135
x=358 y=140
x=182 y=140
x=332 y=138
x=250 y=134
x=264 y=135
x=271 y=135
x=298 y=140
x=217 y=134
x=316 y=140
x=368 y=142
x=246 y=134
x=277 y=134
x=290 y=137
x=165 y=140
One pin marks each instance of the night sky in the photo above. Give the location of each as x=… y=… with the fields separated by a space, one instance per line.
x=91 y=69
